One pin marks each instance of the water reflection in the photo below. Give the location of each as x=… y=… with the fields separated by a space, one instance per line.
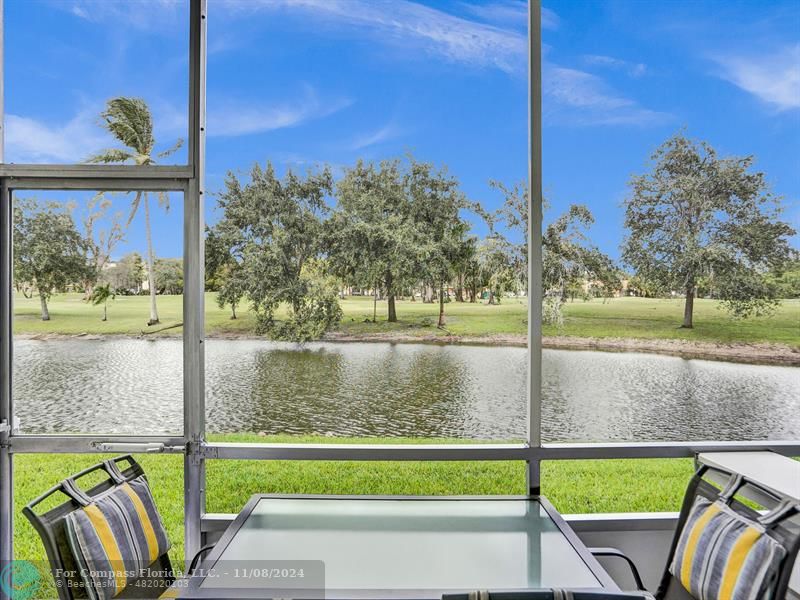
x=134 y=386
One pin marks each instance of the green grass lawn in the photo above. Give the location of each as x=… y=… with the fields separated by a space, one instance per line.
x=615 y=318
x=573 y=486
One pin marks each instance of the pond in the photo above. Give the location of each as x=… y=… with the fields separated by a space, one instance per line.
x=414 y=390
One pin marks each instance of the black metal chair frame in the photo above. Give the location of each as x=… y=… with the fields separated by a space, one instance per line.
x=700 y=487
x=51 y=528
x=545 y=595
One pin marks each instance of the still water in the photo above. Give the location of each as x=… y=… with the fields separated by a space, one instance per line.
x=382 y=389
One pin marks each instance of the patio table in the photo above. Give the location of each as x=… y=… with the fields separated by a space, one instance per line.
x=393 y=547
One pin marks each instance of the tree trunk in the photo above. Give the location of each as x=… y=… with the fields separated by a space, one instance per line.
x=688 y=308
x=151 y=264
x=105 y=311
x=390 y=298
x=375 y=305
x=441 y=306
x=460 y=288
x=45 y=311
x=233 y=311
x=428 y=297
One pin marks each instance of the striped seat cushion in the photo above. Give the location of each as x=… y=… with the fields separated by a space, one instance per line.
x=722 y=555
x=115 y=537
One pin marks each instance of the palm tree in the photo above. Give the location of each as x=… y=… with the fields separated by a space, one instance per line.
x=129 y=120
x=101 y=294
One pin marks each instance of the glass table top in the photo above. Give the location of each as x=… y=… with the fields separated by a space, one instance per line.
x=403 y=544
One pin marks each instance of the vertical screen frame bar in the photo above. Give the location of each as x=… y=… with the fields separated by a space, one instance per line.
x=6 y=403
x=194 y=289
x=535 y=243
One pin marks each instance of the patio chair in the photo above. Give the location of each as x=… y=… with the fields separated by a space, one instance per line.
x=126 y=520
x=711 y=522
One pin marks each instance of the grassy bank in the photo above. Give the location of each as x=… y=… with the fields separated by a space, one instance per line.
x=637 y=318
x=573 y=486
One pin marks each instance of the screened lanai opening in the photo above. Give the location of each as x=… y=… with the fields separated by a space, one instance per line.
x=86 y=377
x=372 y=129
x=397 y=268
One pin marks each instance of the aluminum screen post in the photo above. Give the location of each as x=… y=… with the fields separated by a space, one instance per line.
x=535 y=245
x=6 y=409
x=194 y=408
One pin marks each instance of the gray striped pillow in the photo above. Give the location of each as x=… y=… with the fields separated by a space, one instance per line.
x=116 y=537
x=722 y=555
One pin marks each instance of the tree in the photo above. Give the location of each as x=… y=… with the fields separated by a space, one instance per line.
x=101 y=294
x=49 y=252
x=696 y=215
x=513 y=215
x=371 y=238
x=569 y=260
x=787 y=280
x=129 y=120
x=436 y=205
x=127 y=275
x=101 y=243
x=223 y=273
x=169 y=276
x=273 y=228
x=495 y=262
x=645 y=288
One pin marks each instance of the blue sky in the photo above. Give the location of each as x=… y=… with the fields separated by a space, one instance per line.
x=302 y=82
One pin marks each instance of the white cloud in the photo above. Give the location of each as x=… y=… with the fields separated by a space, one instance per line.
x=550 y=20
x=511 y=12
x=633 y=69
x=773 y=78
x=31 y=140
x=580 y=98
x=232 y=118
x=410 y=25
x=152 y=15
x=387 y=132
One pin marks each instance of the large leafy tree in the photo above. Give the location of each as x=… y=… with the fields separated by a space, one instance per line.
x=49 y=252
x=697 y=216
x=130 y=121
x=273 y=229
x=436 y=206
x=372 y=239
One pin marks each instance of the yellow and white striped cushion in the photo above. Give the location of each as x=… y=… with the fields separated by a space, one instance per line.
x=115 y=537
x=722 y=555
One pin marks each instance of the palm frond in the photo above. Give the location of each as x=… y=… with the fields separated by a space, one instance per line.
x=130 y=121
x=110 y=155
x=134 y=207
x=171 y=150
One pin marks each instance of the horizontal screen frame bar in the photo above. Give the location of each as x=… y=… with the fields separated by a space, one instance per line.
x=87 y=444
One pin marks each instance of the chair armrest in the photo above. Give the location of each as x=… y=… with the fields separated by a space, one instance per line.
x=614 y=552
x=197 y=557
